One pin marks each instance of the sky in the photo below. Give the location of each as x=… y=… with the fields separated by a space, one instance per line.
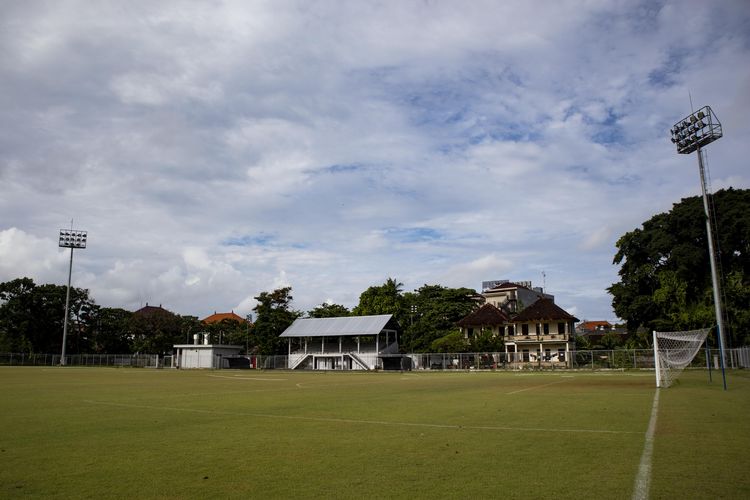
x=215 y=150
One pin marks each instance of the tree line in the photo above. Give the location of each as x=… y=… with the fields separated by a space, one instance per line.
x=665 y=284
x=32 y=315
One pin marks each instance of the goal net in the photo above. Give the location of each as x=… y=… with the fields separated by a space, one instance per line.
x=673 y=351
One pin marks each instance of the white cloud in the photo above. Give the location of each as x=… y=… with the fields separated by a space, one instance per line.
x=23 y=254
x=214 y=152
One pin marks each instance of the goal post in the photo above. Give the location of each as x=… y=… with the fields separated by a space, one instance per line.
x=673 y=351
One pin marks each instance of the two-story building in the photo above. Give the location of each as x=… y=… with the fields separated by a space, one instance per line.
x=542 y=333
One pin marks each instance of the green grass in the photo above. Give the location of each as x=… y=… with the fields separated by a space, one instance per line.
x=140 y=433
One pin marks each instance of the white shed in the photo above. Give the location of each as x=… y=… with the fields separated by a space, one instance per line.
x=205 y=355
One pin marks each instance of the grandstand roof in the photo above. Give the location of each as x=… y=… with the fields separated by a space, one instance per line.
x=341 y=326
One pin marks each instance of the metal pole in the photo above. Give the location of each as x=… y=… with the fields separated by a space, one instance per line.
x=67 y=302
x=714 y=274
x=656 y=360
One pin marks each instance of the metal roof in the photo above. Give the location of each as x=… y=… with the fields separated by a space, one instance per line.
x=343 y=326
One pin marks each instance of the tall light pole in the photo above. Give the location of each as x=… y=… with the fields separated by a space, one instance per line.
x=69 y=238
x=691 y=134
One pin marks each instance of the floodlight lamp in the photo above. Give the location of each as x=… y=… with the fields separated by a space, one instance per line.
x=701 y=115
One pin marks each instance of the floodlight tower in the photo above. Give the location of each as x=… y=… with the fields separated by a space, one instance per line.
x=691 y=134
x=69 y=238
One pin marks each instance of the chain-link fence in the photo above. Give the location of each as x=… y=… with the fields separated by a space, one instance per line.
x=617 y=359
x=115 y=360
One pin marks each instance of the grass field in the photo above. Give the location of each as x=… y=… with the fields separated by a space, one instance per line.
x=142 y=433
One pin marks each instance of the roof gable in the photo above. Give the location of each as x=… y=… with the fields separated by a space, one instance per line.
x=218 y=317
x=345 y=326
x=487 y=315
x=148 y=310
x=543 y=309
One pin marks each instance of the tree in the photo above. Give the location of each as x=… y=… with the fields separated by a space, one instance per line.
x=665 y=279
x=32 y=316
x=155 y=331
x=228 y=331
x=326 y=310
x=452 y=342
x=383 y=299
x=485 y=341
x=111 y=331
x=433 y=313
x=273 y=316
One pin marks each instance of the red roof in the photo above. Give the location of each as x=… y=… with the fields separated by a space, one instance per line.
x=218 y=317
x=595 y=325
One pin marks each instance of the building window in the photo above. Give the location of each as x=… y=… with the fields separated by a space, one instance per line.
x=470 y=333
x=561 y=354
x=538 y=329
x=511 y=331
x=547 y=354
x=526 y=355
x=524 y=329
x=561 y=328
x=546 y=328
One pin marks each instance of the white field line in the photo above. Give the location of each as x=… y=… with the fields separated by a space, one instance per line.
x=535 y=387
x=236 y=377
x=643 y=479
x=358 y=421
x=314 y=385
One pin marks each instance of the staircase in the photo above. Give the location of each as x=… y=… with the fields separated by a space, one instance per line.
x=359 y=360
x=297 y=359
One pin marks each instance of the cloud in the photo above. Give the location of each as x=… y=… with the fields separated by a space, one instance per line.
x=217 y=151
x=23 y=254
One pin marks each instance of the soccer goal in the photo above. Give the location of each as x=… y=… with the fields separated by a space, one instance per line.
x=673 y=351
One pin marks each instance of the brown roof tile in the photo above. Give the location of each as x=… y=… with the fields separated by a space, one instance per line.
x=486 y=315
x=543 y=309
x=218 y=317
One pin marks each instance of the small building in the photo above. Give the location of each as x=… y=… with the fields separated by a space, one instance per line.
x=207 y=355
x=344 y=343
x=542 y=333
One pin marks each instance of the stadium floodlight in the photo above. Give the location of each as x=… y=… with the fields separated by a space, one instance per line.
x=696 y=130
x=69 y=238
x=690 y=134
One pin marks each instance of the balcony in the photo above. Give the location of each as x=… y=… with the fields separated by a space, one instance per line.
x=552 y=337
